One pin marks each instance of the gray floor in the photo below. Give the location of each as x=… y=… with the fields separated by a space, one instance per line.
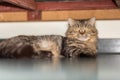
x=104 y=67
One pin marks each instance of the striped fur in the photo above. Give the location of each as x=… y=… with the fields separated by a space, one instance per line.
x=31 y=46
x=81 y=39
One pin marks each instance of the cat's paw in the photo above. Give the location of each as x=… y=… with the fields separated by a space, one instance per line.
x=88 y=52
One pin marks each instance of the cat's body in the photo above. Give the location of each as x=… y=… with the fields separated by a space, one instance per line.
x=81 y=38
x=31 y=46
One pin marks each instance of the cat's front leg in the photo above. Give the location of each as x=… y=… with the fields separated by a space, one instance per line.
x=71 y=51
x=91 y=50
x=55 y=52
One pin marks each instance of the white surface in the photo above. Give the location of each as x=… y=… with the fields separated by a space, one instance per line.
x=107 y=28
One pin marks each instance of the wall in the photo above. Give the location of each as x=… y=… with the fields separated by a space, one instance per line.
x=106 y=28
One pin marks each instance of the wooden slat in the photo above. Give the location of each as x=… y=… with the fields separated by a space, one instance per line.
x=6 y=7
x=85 y=5
x=34 y=15
x=28 y=4
x=13 y=16
x=80 y=14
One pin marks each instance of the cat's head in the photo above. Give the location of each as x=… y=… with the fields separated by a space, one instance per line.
x=83 y=30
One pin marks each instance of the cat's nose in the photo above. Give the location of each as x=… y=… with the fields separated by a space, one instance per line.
x=81 y=32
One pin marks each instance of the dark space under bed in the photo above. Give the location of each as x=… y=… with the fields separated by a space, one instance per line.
x=104 y=67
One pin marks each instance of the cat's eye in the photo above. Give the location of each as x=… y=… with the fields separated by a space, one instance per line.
x=93 y=31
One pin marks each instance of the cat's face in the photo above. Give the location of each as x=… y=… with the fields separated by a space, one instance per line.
x=83 y=30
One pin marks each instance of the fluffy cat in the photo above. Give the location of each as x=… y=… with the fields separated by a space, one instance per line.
x=82 y=37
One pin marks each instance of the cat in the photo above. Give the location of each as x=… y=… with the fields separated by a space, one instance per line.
x=82 y=38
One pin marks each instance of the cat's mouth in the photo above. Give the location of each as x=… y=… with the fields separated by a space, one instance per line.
x=83 y=38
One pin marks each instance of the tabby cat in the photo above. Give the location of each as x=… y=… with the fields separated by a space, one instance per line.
x=81 y=38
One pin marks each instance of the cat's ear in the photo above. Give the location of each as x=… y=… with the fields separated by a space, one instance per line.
x=71 y=21
x=91 y=21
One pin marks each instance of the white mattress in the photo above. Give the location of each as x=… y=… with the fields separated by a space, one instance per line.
x=106 y=28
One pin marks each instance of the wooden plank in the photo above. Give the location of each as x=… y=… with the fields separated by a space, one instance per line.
x=13 y=16
x=85 y=5
x=59 y=15
x=45 y=6
x=80 y=14
x=34 y=15
x=6 y=7
x=28 y=4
